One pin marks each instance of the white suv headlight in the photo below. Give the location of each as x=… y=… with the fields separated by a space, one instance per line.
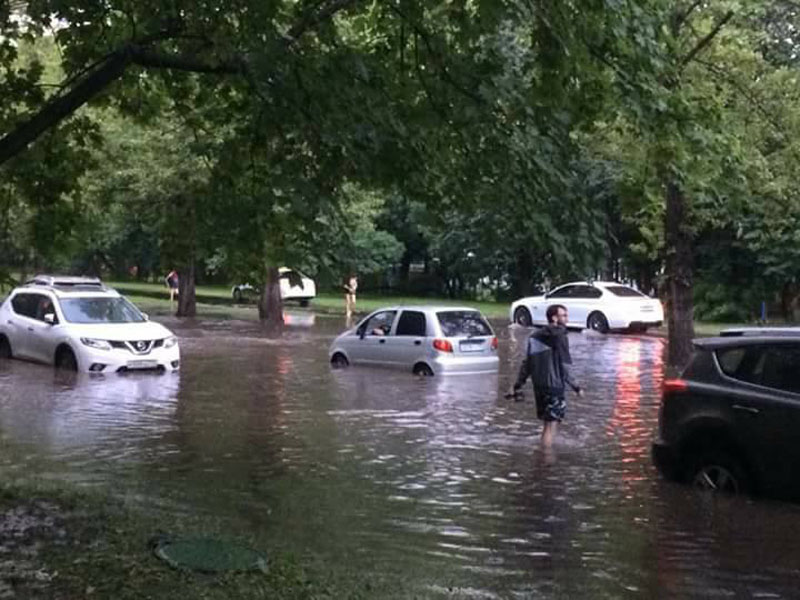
x=97 y=344
x=170 y=341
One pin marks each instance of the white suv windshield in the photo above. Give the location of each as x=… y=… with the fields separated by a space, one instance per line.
x=100 y=310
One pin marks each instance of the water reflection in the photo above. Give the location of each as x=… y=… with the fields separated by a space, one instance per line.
x=439 y=481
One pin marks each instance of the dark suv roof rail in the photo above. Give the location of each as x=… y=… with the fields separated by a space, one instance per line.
x=760 y=331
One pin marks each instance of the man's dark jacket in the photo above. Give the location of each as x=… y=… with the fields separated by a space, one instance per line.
x=547 y=361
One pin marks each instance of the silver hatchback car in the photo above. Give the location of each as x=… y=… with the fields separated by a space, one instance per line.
x=427 y=340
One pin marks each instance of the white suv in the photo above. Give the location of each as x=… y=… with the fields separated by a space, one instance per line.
x=77 y=323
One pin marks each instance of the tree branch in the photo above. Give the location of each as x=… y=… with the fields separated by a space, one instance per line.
x=61 y=107
x=160 y=60
x=99 y=76
x=707 y=39
x=681 y=17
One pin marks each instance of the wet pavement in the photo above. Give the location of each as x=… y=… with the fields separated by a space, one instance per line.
x=438 y=482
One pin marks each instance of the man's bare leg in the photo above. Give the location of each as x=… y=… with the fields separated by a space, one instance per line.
x=548 y=433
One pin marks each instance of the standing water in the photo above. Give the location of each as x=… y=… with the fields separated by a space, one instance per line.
x=436 y=481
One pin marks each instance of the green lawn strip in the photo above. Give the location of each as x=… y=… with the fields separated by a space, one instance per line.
x=369 y=302
x=214 y=301
x=76 y=544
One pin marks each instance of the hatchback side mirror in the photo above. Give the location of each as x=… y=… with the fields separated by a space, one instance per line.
x=146 y=316
x=50 y=318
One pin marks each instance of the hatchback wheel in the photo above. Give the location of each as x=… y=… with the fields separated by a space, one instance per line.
x=522 y=316
x=5 y=348
x=66 y=360
x=719 y=472
x=339 y=361
x=597 y=322
x=423 y=370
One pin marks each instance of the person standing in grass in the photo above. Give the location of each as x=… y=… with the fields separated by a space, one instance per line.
x=172 y=284
x=547 y=362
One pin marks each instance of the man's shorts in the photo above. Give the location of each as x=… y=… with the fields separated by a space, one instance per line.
x=551 y=405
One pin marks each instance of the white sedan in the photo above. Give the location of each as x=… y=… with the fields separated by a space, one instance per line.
x=599 y=305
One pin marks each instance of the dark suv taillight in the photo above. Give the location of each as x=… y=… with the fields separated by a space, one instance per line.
x=674 y=385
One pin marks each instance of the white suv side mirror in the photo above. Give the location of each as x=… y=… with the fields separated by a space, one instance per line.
x=50 y=318
x=146 y=316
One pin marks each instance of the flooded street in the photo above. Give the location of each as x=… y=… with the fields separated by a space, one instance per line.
x=438 y=482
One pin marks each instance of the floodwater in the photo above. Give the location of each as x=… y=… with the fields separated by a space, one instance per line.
x=437 y=482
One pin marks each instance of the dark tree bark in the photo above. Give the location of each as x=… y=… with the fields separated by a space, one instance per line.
x=270 y=305
x=405 y=268
x=680 y=307
x=187 y=302
x=523 y=283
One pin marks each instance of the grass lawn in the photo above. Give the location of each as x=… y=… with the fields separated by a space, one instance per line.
x=65 y=544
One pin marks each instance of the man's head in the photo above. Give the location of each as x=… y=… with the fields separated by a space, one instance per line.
x=557 y=314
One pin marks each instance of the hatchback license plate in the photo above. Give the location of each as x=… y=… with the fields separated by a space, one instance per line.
x=142 y=364
x=470 y=346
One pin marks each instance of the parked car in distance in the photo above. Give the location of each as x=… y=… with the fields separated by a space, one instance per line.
x=294 y=286
x=599 y=305
x=79 y=324
x=426 y=340
x=732 y=420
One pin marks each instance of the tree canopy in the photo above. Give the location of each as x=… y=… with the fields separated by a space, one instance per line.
x=504 y=145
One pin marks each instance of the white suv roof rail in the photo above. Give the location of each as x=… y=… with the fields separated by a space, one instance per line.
x=66 y=281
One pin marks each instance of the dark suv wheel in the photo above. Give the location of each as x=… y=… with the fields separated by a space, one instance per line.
x=718 y=471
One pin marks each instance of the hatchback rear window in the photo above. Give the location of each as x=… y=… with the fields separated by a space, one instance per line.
x=624 y=291
x=457 y=323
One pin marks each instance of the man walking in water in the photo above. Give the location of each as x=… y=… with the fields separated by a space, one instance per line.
x=547 y=362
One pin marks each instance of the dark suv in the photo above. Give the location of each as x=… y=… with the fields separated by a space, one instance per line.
x=732 y=421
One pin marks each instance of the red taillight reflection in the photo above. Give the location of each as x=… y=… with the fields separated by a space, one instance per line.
x=674 y=385
x=495 y=343
x=442 y=345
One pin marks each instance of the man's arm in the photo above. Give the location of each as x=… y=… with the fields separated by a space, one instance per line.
x=569 y=379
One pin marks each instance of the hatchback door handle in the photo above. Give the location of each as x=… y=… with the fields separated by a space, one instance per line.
x=417 y=342
x=750 y=409
x=381 y=341
x=30 y=328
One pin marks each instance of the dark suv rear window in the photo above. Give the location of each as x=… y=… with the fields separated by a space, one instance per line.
x=458 y=323
x=770 y=365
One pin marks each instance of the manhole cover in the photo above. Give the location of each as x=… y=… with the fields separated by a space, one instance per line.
x=209 y=555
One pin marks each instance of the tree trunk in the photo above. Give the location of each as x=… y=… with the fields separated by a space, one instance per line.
x=523 y=283
x=270 y=305
x=680 y=309
x=405 y=268
x=187 y=304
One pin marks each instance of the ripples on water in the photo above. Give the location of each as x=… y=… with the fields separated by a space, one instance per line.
x=437 y=481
